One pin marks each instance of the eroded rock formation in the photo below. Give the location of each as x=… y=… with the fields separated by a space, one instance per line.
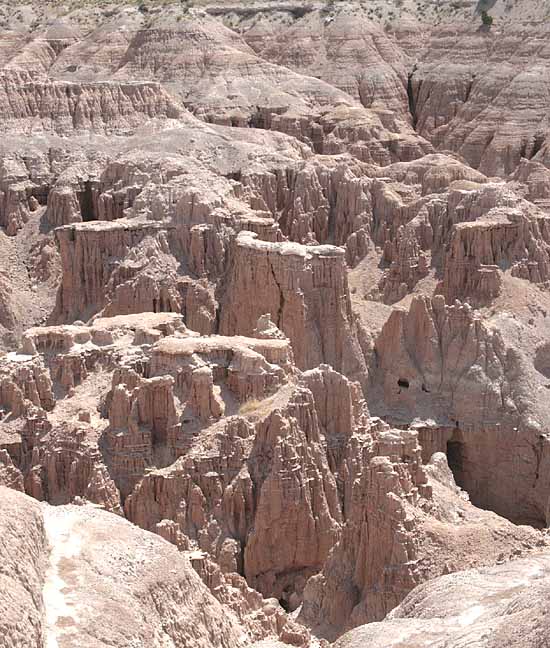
x=155 y=587
x=273 y=287
x=500 y=605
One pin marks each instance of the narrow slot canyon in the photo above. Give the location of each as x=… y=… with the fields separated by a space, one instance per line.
x=86 y=202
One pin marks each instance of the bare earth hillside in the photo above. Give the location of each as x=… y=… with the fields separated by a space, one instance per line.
x=274 y=324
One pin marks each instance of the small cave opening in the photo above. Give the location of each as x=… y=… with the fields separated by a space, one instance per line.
x=283 y=602
x=455 y=459
x=234 y=175
x=86 y=201
x=538 y=143
x=403 y=382
x=41 y=194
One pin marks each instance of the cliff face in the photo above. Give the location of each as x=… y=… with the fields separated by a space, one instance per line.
x=87 y=255
x=466 y=100
x=305 y=291
x=345 y=593
x=442 y=364
x=508 y=238
x=38 y=105
x=395 y=536
x=252 y=493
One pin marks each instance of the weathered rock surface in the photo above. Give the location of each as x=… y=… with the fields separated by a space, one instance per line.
x=504 y=605
x=468 y=101
x=405 y=524
x=305 y=290
x=24 y=549
x=62 y=564
x=441 y=364
x=274 y=287
x=265 y=483
x=37 y=105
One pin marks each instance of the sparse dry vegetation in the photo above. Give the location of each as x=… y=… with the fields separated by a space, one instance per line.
x=256 y=408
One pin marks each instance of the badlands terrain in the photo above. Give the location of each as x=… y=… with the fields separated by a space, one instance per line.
x=275 y=324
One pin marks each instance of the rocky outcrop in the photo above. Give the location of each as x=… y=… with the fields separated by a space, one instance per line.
x=371 y=568
x=24 y=548
x=313 y=201
x=474 y=235
x=149 y=585
x=532 y=181
x=261 y=617
x=27 y=174
x=306 y=531
x=40 y=105
x=87 y=253
x=505 y=604
x=305 y=290
x=252 y=368
x=501 y=240
x=51 y=438
x=193 y=382
x=274 y=478
x=431 y=337
x=142 y=415
x=222 y=446
x=408 y=265
x=465 y=99
x=443 y=364
x=64 y=466
x=405 y=510
x=16 y=205
x=252 y=491
x=24 y=384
